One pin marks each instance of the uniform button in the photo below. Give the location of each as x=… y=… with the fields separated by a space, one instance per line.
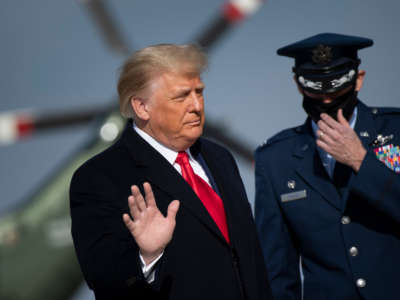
x=345 y=220
x=353 y=251
x=361 y=283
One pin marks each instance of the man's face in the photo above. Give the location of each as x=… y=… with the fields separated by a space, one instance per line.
x=176 y=110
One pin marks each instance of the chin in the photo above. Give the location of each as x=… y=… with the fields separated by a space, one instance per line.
x=197 y=131
x=194 y=134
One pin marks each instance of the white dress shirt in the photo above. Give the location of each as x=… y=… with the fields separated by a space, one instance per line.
x=170 y=155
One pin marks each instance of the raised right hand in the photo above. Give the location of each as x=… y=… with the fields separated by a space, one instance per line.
x=150 y=229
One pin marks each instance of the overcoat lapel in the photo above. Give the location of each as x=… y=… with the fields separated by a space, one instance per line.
x=159 y=172
x=218 y=173
x=310 y=167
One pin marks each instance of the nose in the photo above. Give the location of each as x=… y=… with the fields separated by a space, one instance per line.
x=327 y=100
x=197 y=102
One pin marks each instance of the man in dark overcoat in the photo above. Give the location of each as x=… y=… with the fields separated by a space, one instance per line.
x=163 y=213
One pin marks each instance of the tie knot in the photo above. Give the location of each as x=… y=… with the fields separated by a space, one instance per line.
x=182 y=158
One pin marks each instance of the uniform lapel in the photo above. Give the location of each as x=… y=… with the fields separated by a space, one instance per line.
x=310 y=167
x=365 y=128
x=366 y=132
x=159 y=172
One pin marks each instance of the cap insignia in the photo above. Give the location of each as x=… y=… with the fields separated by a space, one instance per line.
x=322 y=54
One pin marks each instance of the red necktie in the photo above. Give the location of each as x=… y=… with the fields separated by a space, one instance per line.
x=211 y=201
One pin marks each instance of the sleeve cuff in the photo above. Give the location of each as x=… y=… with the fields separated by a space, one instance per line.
x=149 y=270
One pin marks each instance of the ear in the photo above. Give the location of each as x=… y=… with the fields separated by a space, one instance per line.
x=360 y=80
x=140 y=108
x=298 y=86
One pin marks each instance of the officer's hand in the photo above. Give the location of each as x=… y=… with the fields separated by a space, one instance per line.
x=150 y=229
x=340 y=140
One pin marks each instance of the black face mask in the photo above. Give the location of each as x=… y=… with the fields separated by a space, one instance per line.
x=347 y=102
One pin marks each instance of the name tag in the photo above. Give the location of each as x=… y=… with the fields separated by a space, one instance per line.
x=293 y=196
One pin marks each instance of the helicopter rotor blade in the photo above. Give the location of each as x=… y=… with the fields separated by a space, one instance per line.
x=15 y=126
x=220 y=134
x=232 y=12
x=107 y=26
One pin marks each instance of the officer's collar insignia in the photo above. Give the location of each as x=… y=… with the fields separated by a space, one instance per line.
x=390 y=156
x=305 y=147
x=381 y=140
x=322 y=54
x=291 y=184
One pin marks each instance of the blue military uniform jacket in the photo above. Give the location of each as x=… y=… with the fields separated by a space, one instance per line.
x=346 y=241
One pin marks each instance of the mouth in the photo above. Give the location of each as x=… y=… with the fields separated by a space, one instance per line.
x=194 y=123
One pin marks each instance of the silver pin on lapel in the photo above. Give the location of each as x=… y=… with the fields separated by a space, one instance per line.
x=382 y=140
x=291 y=184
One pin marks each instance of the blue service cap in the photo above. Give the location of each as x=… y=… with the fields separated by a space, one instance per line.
x=326 y=62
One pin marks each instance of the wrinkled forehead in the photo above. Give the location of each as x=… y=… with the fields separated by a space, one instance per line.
x=172 y=82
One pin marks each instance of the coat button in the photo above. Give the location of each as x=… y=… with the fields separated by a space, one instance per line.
x=374 y=111
x=353 y=251
x=361 y=283
x=345 y=220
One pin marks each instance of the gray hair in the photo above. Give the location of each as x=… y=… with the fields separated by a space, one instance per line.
x=148 y=63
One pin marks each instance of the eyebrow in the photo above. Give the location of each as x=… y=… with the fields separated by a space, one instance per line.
x=183 y=90
x=179 y=92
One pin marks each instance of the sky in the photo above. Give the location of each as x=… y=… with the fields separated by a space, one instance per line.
x=53 y=58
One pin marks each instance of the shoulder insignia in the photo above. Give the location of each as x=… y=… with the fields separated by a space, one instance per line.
x=283 y=135
x=385 y=110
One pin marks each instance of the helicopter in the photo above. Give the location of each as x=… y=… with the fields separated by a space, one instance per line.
x=35 y=242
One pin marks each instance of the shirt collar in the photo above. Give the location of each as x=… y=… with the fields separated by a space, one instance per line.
x=352 y=122
x=169 y=154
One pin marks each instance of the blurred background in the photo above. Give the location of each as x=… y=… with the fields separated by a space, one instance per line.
x=59 y=66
